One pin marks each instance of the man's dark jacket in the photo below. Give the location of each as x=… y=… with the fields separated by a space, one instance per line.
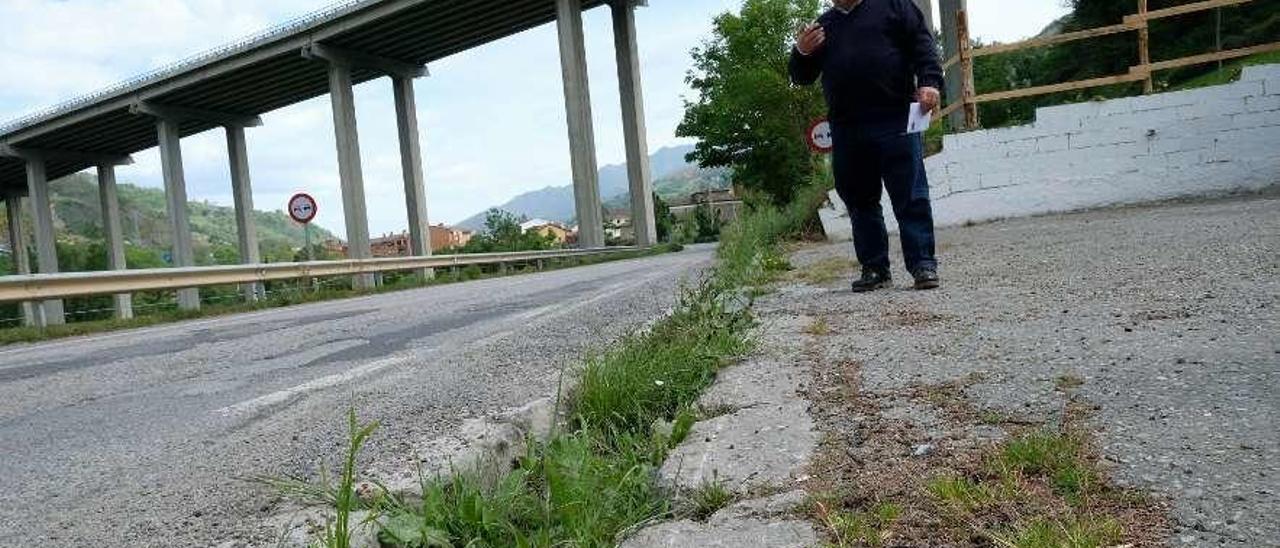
x=872 y=61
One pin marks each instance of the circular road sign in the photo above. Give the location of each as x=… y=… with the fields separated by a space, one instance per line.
x=302 y=207
x=819 y=136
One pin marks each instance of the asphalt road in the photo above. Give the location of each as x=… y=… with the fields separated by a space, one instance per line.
x=143 y=438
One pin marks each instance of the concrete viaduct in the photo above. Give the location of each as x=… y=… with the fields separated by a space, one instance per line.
x=327 y=52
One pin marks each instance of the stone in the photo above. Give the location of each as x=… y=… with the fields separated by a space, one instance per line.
x=754 y=382
x=776 y=505
x=728 y=534
x=759 y=446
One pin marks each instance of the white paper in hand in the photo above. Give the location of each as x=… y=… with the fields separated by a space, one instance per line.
x=918 y=121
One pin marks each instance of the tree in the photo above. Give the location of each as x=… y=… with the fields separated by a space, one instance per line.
x=503 y=233
x=664 y=221
x=748 y=116
x=706 y=223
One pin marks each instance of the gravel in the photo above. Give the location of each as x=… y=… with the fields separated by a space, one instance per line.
x=1169 y=314
x=146 y=438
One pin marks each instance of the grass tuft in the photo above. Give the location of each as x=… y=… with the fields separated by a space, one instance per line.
x=818 y=327
x=708 y=499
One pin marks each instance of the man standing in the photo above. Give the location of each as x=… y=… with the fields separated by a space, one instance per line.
x=875 y=57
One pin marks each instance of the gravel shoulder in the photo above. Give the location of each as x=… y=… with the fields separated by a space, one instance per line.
x=1163 y=319
x=145 y=438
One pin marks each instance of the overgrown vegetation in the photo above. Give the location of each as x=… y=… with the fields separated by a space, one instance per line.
x=595 y=477
x=747 y=115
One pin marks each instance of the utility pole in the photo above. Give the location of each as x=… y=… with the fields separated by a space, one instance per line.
x=950 y=9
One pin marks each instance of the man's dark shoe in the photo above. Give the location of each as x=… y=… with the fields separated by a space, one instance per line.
x=926 y=278
x=872 y=280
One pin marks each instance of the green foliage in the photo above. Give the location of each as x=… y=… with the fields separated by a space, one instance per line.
x=337 y=532
x=708 y=499
x=959 y=492
x=869 y=528
x=1082 y=532
x=664 y=220
x=748 y=116
x=503 y=234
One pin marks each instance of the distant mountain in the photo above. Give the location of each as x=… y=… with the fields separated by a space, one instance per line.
x=669 y=170
x=78 y=217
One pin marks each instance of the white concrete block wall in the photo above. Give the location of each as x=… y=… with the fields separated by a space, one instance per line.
x=1131 y=150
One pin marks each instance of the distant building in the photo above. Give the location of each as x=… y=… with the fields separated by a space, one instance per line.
x=400 y=245
x=391 y=245
x=618 y=226
x=723 y=202
x=445 y=237
x=556 y=231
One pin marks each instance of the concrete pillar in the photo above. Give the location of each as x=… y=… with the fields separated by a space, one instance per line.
x=18 y=244
x=633 y=123
x=950 y=48
x=175 y=191
x=242 y=194
x=349 y=170
x=582 y=141
x=48 y=312
x=113 y=232
x=415 y=194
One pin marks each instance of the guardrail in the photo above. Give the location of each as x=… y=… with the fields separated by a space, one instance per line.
x=39 y=287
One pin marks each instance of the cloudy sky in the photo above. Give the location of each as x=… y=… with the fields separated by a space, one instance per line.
x=492 y=118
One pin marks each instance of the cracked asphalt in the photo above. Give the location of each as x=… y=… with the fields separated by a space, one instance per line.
x=1168 y=313
x=146 y=438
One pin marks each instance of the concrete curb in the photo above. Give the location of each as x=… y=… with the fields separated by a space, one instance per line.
x=763 y=442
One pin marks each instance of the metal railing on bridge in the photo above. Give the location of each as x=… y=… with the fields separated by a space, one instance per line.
x=40 y=287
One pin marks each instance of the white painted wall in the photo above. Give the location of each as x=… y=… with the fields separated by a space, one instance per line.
x=1138 y=149
x=1123 y=151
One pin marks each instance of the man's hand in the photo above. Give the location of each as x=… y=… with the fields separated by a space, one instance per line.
x=929 y=98
x=810 y=39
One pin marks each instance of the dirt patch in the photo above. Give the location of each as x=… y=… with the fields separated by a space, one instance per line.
x=911 y=316
x=923 y=466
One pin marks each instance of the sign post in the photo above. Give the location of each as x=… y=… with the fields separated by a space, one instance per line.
x=819 y=136
x=303 y=210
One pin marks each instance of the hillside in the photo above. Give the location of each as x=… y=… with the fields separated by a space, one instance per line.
x=78 y=217
x=672 y=175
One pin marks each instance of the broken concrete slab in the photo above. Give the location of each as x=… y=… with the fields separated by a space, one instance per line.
x=728 y=534
x=767 y=445
x=781 y=504
x=754 y=382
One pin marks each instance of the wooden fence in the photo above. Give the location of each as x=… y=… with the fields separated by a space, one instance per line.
x=1141 y=72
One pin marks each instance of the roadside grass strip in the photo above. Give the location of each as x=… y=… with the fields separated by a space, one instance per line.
x=595 y=479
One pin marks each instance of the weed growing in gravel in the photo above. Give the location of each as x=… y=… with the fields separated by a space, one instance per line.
x=1080 y=532
x=818 y=327
x=868 y=528
x=708 y=499
x=826 y=271
x=960 y=493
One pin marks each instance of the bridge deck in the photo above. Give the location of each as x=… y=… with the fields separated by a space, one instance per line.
x=268 y=73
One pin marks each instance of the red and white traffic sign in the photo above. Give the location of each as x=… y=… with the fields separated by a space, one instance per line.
x=302 y=207
x=819 y=136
